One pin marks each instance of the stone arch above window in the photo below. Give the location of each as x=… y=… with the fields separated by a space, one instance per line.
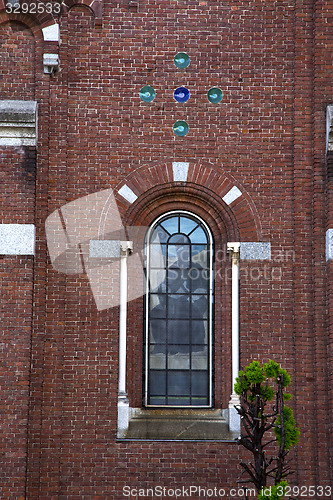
x=46 y=34
x=96 y=6
x=147 y=187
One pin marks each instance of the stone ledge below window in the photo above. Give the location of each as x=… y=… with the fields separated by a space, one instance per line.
x=179 y=425
x=18 y=123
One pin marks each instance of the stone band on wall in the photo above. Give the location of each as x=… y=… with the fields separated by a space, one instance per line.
x=18 y=123
x=17 y=239
x=104 y=249
x=329 y=244
x=255 y=251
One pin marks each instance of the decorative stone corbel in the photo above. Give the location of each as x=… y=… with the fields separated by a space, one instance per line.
x=51 y=64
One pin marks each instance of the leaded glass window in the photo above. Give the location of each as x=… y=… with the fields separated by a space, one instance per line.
x=178 y=312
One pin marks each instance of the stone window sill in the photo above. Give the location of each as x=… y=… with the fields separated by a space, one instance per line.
x=179 y=425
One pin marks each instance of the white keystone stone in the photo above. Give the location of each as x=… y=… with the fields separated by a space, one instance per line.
x=51 y=33
x=127 y=193
x=180 y=171
x=232 y=195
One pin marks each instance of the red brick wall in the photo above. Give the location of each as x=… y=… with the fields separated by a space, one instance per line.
x=17 y=203
x=16 y=278
x=322 y=97
x=17 y=61
x=273 y=62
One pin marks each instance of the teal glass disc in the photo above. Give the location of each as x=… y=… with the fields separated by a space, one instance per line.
x=215 y=95
x=181 y=60
x=147 y=93
x=180 y=128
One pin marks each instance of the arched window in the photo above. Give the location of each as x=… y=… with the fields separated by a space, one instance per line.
x=178 y=312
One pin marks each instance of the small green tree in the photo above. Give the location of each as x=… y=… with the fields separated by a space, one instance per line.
x=268 y=426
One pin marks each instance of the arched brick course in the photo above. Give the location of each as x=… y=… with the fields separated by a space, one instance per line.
x=96 y=6
x=36 y=22
x=154 y=184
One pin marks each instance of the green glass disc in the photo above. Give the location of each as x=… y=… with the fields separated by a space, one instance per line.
x=147 y=93
x=180 y=128
x=215 y=95
x=181 y=60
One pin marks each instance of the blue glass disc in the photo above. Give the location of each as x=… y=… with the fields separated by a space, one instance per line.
x=181 y=94
x=181 y=60
x=147 y=93
x=215 y=95
x=180 y=128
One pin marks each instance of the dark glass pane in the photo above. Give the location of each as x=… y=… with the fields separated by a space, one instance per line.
x=157 y=359
x=178 y=357
x=171 y=225
x=157 y=383
x=157 y=305
x=200 y=256
x=158 y=280
x=178 y=306
x=156 y=348
x=159 y=235
x=157 y=330
x=179 y=256
x=157 y=401
x=198 y=236
x=199 y=333
x=178 y=239
x=178 y=281
x=199 y=383
x=179 y=331
x=157 y=255
x=180 y=401
x=187 y=225
x=199 y=358
x=199 y=401
x=179 y=383
x=199 y=280
x=199 y=306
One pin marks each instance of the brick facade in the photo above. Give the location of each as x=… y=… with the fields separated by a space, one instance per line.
x=267 y=138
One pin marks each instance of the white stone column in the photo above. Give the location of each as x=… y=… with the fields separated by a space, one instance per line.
x=126 y=247
x=234 y=249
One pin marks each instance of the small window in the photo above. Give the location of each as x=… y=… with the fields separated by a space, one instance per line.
x=178 y=312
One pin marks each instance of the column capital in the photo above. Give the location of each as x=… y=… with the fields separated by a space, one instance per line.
x=126 y=247
x=233 y=247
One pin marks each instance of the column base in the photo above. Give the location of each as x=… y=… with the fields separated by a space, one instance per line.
x=234 y=418
x=123 y=415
